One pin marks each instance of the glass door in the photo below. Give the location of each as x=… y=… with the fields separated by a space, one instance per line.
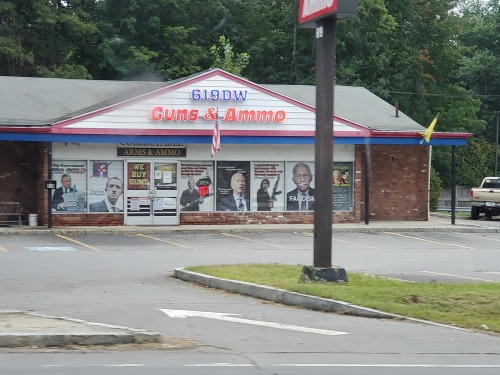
x=164 y=193
x=151 y=193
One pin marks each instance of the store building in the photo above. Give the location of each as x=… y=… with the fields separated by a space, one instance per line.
x=139 y=153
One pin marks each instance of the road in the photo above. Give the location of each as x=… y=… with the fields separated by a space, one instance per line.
x=126 y=280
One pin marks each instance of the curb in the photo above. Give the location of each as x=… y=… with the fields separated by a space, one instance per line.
x=25 y=328
x=16 y=340
x=296 y=299
x=255 y=228
x=281 y=296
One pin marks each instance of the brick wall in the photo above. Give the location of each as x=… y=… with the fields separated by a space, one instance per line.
x=398 y=183
x=20 y=175
x=93 y=220
x=42 y=193
x=224 y=218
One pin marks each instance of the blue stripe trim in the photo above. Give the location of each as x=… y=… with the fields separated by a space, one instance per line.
x=87 y=138
x=404 y=141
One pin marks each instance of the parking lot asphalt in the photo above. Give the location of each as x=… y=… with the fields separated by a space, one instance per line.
x=29 y=329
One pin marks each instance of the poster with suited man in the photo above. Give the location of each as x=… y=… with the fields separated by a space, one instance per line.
x=70 y=193
x=106 y=186
x=198 y=191
x=233 y=186
x=300 y=180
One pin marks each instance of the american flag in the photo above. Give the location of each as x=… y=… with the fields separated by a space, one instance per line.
x=216 y=136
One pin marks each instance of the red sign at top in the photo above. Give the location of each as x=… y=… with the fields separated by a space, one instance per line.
x=310 y=10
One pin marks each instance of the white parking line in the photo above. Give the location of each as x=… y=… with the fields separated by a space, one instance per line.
x=169 y=242
x=485 y=238
x=338 y=365
x=481 y=226
x=458 y=276
x=344 y=241
x=249 y=239
x=396 y=365
x=354 y=243
x=220 y=365
x=431 y=241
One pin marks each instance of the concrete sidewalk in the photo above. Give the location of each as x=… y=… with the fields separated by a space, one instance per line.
x=29 y=329
x=436 y=223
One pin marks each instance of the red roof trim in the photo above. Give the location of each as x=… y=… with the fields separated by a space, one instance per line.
x=207 y=132
x=392 y=134
x=30 y=129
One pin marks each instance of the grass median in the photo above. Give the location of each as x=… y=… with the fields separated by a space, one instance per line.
x=475 y=306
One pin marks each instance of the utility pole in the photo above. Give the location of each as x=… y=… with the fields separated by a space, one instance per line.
x=323 y=15
x=325 y=73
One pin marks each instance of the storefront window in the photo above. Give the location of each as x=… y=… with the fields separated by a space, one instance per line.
x=276 y=186
x=299 y=186
x=197 y=186
x=267 y=186
x=233 y=186
x=165 y=176
x=342 y=187
x=106 y=186
x=70 y=195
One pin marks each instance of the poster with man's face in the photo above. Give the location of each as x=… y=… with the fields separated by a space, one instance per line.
x=268 y=186
x=233 y=186
x=299 y=186
x=106 y=186
x=71 y=186
x=342 y=186
x=196 y=186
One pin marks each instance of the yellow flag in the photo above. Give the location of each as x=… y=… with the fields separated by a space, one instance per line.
x=427 y=134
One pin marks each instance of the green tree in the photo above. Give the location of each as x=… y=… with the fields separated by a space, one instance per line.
x=64 y=71
x=15 y=57
x=281 y=51
x=406 y=52
x=180 y=57
x=363 y=51
x=479 y=70
x=475 y=162
x=422 y=75
x=226 y=59
x=40 y=37
x=436 y=188
x=150 y=39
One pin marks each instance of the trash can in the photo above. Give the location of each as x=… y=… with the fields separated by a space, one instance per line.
x=33 y=220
